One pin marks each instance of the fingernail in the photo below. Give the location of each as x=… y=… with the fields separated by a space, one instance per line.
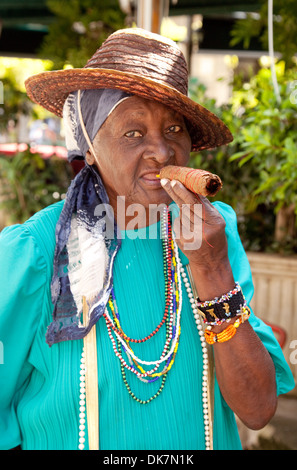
x=164 y=181
x=176 y=183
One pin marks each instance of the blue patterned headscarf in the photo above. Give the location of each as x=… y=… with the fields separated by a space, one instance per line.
x=85 y=249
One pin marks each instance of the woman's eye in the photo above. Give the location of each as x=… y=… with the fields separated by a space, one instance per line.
x=133 y=134
x=174 y=129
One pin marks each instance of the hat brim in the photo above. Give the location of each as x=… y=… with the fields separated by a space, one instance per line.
x=50 y=90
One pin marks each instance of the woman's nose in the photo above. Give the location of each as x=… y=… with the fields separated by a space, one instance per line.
x=159 y=149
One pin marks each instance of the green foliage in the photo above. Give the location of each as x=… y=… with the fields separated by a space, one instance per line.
x=79 y=29
x=259 y=168
x=16 y=102
x=13 y=72
x=28 y=183
x=238 y=182
x=267 y=138
x=284 y=28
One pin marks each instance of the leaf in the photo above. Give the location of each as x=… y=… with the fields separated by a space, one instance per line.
x=237 y=155
x=244 y=160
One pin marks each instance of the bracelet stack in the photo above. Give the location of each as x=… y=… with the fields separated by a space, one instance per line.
x=222 y=309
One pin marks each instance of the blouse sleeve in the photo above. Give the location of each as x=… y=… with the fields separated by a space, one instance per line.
x=22 y=281
x=242 y=274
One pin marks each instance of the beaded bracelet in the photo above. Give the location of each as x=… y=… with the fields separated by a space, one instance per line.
x=220 y=309
x=225 y=335
x=244 y=311
x=229 y=332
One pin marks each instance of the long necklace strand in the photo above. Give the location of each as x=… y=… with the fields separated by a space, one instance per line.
x=180 y=272
x=166 y=261
x=205 y=398
x=176 y=328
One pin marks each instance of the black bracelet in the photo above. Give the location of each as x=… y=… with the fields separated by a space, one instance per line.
x=222 y=308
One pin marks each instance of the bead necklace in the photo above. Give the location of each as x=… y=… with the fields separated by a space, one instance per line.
x=167 y=260
x=171 y=319
x=205 y=371
x=174 y=293
x=82 y=401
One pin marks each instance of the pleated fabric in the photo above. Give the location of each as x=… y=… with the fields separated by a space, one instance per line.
x=39 y=385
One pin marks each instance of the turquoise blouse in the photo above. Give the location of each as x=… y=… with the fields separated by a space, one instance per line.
x=39 y=385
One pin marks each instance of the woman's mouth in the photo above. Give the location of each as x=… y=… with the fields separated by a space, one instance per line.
x=151 y=179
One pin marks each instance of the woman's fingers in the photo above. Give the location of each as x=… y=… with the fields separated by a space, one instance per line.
x=199 y=222
x=199 y=205
x=188 y=226
x=179 y=193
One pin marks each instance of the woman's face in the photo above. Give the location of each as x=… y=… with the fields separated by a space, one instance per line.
x=138 y=139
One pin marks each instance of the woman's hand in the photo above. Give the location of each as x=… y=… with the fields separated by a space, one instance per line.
x=200 y=228
x=244 y=369
x=200 y=234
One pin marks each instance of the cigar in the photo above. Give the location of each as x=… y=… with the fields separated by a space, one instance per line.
x=198 y=181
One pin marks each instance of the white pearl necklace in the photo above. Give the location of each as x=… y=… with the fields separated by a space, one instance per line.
x=82 y=402
x=199 y=326
x=207 y=424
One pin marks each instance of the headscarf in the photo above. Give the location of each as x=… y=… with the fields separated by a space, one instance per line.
x=86 y=236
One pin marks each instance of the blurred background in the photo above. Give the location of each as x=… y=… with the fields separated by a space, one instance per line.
x=242 y=66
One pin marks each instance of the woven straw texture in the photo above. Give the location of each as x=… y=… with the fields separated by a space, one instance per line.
x=141 y=63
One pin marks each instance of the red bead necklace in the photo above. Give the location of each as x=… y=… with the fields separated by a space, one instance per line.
x=167 y=263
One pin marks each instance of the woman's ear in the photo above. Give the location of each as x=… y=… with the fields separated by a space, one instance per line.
x=90 y=159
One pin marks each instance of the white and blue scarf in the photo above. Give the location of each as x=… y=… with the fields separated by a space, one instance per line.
x=84 y=254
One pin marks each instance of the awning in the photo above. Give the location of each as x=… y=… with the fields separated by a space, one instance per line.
x=46 y=151
x=24 y=23
x=212 y=7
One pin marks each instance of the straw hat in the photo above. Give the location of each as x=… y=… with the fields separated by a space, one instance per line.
x=141 y=63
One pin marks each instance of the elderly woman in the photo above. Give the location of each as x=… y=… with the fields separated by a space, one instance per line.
x=109 y=319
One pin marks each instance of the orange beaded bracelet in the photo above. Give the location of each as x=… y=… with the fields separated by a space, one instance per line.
x=225 y=335
x=229 y=332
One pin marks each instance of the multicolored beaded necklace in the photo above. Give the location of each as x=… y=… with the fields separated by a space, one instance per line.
x=171 y=318
x=174 y=274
